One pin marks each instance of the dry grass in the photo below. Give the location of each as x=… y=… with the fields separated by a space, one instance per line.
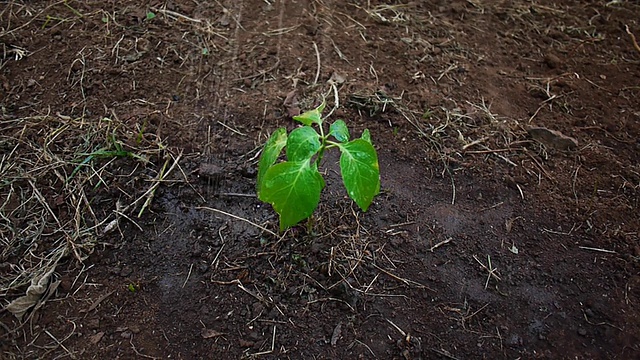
x=54 y=170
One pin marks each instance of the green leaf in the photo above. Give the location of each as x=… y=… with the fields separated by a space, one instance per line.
x=366 y=136
x=150 y=15
x=293 y=188
x=302 y=144
x=339 y=131
x=311 y=116
x=360 y=171
x=270 y=153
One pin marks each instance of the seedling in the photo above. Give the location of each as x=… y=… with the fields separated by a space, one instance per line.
x=293 y=186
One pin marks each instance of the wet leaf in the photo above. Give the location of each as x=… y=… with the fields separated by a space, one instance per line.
x=293 y=188
x=302 y=144
x=339 y=131
x=311 y=116
x=360 y=171
x=366 y=136
x=270 y=154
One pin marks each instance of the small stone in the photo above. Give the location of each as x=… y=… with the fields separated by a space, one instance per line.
x=514 y=340
x=134 y=329
x=552 y=138
x=552 y=61
x=210 y=171
x=31 y=83
x=245 y=343
x=126 y=271
x=94 y=339
x=582 y=332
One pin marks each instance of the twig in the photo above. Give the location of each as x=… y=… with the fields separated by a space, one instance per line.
x=237 y=218
x=397 y=328
x=315 y=47
x=597 y=249
x=489 y=268
x=161 y=175
x=633 y=38
x=331 y=299
x=188 y=276
x=405 y=281
x=445 y=354
x=440 y=244
x=273 y=344
x=231 y=129
x=71 y=355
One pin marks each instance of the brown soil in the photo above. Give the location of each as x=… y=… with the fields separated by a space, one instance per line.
x=507 y=226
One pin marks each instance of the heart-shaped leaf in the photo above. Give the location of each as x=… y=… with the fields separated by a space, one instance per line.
x=339 y=131
x=311 y=116
x=360 y=171
x=293 y=188
x=270 y=154
x=302 y=144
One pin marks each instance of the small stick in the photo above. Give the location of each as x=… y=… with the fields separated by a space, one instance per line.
x=176 y=15
x=188 y=276
x=331 y=299
x=397 y=328
x=237 y=218
x=237 y=195
x=633 y=38
x=405 y=281
x=273 y=344
x=440 y=244
x=315 y=81
x=597 y=249
x=71 y=355
x=231 y=129
x=490 y=269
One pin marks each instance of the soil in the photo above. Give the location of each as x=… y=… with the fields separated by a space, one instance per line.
x=507 y=135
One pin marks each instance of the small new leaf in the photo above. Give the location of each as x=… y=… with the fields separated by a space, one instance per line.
x=302 y=144
x=293 y=188
x=339 y=131
x=360 y=171
x=366 y=136
x=270 y=154
x=311 y=116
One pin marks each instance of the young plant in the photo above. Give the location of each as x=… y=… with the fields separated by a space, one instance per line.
x=293 y=186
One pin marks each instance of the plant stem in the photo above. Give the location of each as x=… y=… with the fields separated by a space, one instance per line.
x=323 y=146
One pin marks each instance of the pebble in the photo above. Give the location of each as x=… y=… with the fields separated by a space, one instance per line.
x=552 y=61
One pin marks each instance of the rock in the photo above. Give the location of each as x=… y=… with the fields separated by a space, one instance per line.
x=245 y=343
x=94 y=339
x=134 y=329
x=552 y=138
x=582 y=332
x=514 y=340
x=552 y=61
x=209 y=333
x=210 y=171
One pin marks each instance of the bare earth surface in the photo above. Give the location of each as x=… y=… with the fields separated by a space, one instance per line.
x=508 y=140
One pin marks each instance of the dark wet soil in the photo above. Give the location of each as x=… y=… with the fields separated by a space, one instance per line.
x=488 y=240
